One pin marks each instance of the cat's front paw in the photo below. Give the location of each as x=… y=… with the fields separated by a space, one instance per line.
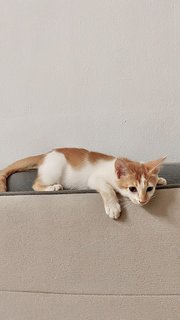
x=113 y=210
x=162 y=181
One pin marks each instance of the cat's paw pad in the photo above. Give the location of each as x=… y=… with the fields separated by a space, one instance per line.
x=162 y=181
x=54 y=187
x=113 y=210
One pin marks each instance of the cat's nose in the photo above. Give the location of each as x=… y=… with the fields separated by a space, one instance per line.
x=142 y=202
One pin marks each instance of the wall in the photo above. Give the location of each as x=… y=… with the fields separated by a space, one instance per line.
x=94 y=73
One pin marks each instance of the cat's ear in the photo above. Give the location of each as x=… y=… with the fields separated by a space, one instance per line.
x=121 y=167
x=154 y=165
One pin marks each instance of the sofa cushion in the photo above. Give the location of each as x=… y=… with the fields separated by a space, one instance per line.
x=65 y=243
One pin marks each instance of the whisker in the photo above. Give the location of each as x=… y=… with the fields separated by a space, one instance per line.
x=127 y=206
x=154 y=196
x=125 y=200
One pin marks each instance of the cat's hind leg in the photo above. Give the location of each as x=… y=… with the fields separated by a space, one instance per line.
x=39 y=186
x=161 y=181
x=50 y=173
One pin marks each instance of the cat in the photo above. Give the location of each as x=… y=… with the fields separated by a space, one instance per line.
x=74 y=168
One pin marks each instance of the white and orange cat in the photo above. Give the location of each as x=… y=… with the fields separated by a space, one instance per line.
x=74 y=168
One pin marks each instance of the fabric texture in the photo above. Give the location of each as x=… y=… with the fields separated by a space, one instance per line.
x=37 y=306
x=62 y=250
x=63 y=258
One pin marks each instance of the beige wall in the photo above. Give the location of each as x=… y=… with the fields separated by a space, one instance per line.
x=102 y=74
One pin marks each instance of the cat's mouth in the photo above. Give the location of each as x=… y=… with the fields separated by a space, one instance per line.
x=139 y=203
x=143 y=204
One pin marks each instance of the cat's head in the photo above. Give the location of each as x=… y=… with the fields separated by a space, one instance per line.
x=137 y=181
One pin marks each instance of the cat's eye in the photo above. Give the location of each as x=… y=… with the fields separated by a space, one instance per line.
x=149 y=189
x=133 y=189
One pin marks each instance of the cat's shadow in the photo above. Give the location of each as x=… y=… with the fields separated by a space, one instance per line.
x=123 y=217
x=159 y=206
x=124 y=209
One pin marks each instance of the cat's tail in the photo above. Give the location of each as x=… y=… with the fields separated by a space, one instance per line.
x=18 y=166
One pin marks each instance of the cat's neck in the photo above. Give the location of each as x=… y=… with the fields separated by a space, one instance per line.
x=106 y=169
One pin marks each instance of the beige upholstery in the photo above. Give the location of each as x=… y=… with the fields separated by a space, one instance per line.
x=25 y=306
x=63 y=258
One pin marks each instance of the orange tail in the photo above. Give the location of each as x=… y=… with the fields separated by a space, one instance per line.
x=18 y=166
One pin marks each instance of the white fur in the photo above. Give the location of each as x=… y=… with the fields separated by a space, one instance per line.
x=142 y=182
x=54 y=187
x=56 y=173
x=56 y=170
x=162 y=181
x=103 y=174
x=51 y=170
x=113 y=209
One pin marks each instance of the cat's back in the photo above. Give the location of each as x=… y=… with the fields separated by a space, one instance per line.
x=80 y=165
x=72 y=167
x=78 y=157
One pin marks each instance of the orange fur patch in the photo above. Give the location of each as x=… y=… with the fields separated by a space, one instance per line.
x=3 y=184
x=38 y=186
x=126 y=181
x=23 y=165
x=96 y=156
x=153 y=179
x=19 y=166
x=154 y=165
x=134 y=173
x=74 y=156
x=77 y=157
x=134 y=169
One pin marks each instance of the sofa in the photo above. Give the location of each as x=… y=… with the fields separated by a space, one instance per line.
x=62 y=258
